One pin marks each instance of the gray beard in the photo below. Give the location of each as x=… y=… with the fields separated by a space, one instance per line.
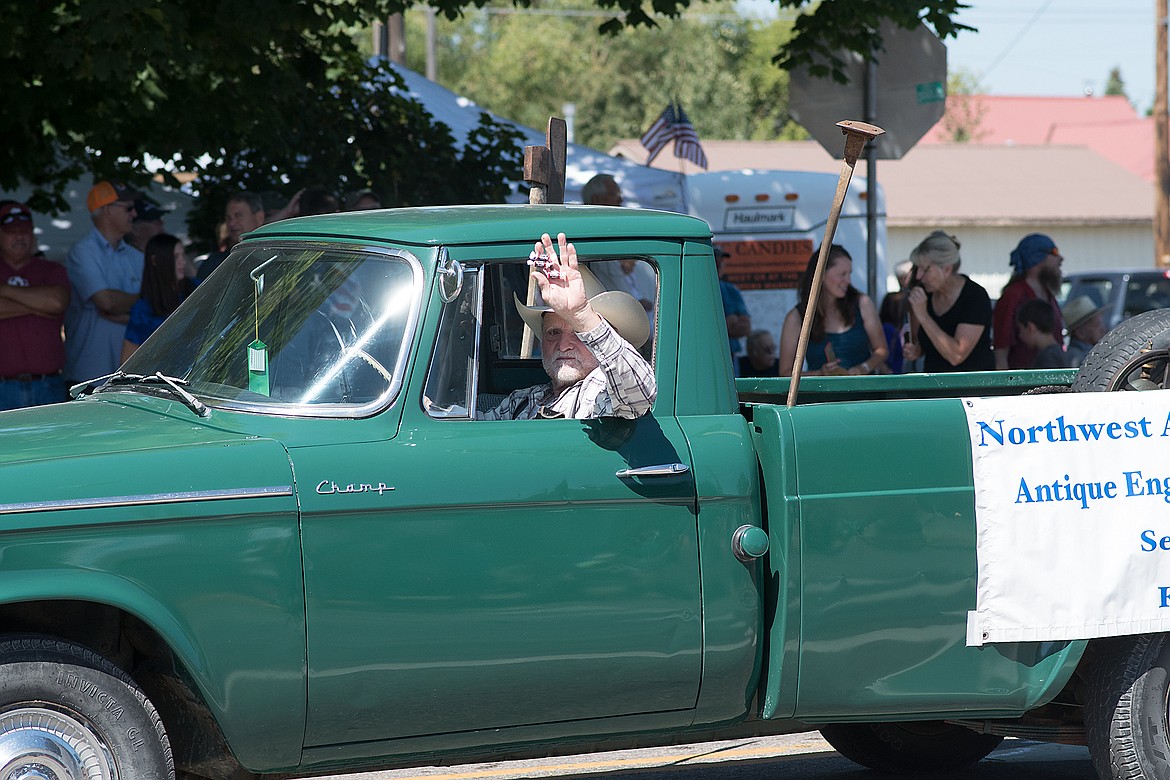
x=562 y=376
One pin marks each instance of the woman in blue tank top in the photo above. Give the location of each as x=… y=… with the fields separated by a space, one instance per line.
x=846 y=336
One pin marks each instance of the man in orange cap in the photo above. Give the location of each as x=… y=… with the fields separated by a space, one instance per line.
x=106 y=275
x=33 y=295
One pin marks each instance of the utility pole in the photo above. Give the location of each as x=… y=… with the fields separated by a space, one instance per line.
x=381 y=39
x=397 y=28
x=1161 y=145
x=432 y=55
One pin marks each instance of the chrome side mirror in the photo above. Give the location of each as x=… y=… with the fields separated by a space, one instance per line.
x=450 y=276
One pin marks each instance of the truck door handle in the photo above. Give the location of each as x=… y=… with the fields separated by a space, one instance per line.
x=665 y=470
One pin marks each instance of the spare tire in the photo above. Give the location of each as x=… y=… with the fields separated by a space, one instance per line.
x=1132 y=356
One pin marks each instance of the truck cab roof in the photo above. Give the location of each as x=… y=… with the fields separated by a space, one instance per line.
x=489 y=224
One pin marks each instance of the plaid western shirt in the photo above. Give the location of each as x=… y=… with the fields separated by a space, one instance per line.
x=622 y=385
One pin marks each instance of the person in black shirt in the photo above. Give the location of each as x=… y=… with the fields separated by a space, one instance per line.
x=951 y=314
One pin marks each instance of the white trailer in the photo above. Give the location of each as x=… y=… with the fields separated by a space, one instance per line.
x=771 y=221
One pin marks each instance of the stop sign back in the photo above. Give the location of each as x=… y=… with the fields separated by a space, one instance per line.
x=911 y=93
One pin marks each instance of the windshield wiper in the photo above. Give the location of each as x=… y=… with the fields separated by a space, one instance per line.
x=89 y=385
x=121 y=377
x=193 y=403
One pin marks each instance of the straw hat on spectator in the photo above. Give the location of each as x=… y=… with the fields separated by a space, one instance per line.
x=1078 y=311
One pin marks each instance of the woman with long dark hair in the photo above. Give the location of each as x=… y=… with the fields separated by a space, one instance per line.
x=846 y=336
x=164 y=286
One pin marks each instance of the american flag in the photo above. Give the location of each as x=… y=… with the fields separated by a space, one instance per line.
x=674 y=125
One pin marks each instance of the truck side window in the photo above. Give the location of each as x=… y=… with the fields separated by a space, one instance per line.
x=480 y=354
x=633 y=275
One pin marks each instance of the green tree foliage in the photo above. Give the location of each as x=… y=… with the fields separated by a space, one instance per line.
x=1115 y=84
x=275 y=92
x=965 y=109
x=716 y=64
x=822 y=29
x=275 y=99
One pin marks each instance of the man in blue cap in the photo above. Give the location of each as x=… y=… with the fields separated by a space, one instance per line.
x=1036 y=275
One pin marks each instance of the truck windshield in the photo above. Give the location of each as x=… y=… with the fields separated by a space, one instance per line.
x=314 y=330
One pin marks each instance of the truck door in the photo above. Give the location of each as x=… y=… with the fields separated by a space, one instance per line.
x=510 y=574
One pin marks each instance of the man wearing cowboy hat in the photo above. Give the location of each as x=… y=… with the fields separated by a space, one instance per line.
x=1086 y=326
x=589 y=343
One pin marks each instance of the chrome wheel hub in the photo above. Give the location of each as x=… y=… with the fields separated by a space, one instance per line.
x=39 y=742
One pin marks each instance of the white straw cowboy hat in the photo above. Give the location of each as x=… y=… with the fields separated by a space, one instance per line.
x=1078 y=311
x=619 y=309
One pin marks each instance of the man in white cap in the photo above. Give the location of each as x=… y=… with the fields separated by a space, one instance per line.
x=589 y=343
x=1086 y=326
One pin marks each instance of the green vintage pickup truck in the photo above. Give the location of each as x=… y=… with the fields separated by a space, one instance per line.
x=278 y=542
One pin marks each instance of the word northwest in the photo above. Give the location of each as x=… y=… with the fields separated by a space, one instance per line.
x=1133 y=484
x=1056 y=431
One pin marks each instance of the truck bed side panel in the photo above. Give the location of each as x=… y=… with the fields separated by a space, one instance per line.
x=885 y=518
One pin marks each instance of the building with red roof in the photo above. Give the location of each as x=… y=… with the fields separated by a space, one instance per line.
x=1078 y=169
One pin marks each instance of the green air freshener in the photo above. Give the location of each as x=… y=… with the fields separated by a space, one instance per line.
x=258 y=367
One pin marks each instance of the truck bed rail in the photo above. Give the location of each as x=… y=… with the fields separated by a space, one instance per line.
x=821 y=389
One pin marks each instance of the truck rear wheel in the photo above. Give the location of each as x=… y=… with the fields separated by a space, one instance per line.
x=910 y=747
x=66 y=712
x=1132 y=356
x=1126 y=708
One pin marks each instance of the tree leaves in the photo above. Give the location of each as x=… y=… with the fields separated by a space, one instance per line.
x=273 y=101
x=273 y=95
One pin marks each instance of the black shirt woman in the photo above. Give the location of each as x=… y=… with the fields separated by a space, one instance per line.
x=952 y=313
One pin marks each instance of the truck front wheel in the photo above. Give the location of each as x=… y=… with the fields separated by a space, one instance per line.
x=910 y=747
x=1126 y=708
x=66 y=712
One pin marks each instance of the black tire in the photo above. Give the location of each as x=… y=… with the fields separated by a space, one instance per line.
x=65 y=708
x=911 y=747
x=1126 y=708
x=1132 y=356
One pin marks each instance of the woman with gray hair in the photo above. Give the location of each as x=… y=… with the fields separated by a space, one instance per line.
x=950 y=312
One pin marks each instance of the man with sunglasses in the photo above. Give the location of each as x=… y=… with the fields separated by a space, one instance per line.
x=33 y=295
x=106 y=276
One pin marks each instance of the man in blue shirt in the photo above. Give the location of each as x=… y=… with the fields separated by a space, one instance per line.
x=739 y=322
x=106 y=276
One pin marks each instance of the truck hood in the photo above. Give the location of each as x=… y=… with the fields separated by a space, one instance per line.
x=95 y=454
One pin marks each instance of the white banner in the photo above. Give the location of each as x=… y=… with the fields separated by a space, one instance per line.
x=1072 y=510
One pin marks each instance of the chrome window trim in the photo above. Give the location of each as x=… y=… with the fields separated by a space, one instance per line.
x=474 y=380
x=329 y=411
x=147 y=499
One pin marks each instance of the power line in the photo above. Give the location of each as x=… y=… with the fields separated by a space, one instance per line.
x=1019 y=36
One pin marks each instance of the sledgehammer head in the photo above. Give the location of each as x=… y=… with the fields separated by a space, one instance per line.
x=856 y=135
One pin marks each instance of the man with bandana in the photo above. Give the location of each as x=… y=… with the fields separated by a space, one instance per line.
x=1036 y=275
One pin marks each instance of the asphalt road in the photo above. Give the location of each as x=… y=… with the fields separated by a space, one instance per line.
x=790 y=757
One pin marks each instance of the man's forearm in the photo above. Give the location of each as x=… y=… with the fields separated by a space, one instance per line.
x=629 y=378
x=114 y=303
x=44 y=299
x=10 y=308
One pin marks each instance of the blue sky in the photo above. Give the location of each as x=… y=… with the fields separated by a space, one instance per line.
x=1050 y=47
x=1058 y=47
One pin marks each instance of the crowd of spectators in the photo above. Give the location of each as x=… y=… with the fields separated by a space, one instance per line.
x=63 y=323
x=78 y=318
x=940 y=320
